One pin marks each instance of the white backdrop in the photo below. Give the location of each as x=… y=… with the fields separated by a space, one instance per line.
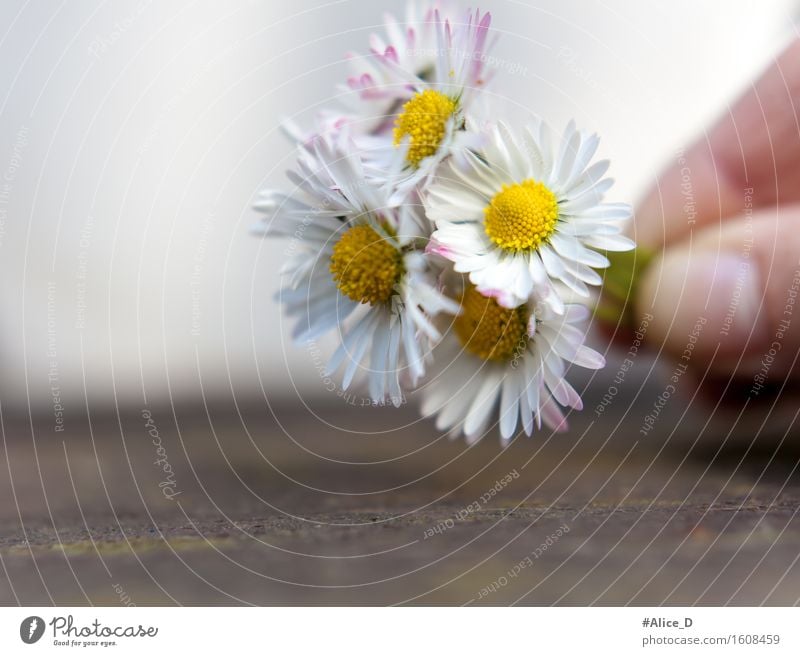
x=135 y=136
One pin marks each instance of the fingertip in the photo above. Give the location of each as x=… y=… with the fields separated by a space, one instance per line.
x=706 y=305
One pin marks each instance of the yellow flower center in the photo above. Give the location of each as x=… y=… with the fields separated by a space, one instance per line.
x=521 y=216
x=423 y=119
x=366 y=265
x=490 y=331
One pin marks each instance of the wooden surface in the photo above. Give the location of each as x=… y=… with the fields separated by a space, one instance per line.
x=371 y=506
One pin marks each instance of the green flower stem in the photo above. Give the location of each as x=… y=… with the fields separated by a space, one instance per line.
x=616 y=304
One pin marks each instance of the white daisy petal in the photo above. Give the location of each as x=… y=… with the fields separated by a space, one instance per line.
x=597 y=191
x=552 y=263
x=525 y=411
x=509 y=407
x=395 y=393
x=509 y=281
x=413 y=355
x=451 y=203
x=575 y=313
x=609 y=211
x=552 y=416
x=611 y=243
x=483 y=404
x=586 y=150
x=350 y=342
x=583 y=273
x=562 y=168
x=485 y=179
x=538 y=160
x=588 y=178
x=379 y=360
x=516 y=159
x=589 y=358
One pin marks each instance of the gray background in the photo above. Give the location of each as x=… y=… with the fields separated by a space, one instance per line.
x=135 y=136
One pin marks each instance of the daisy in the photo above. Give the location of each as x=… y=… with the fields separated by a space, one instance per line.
x=516 y=356
x=521 y=215
x=374 y=91
x=430 y=115
x=357 y=266
x=414 y=99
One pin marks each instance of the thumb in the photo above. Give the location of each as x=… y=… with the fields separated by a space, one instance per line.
x=727 y=298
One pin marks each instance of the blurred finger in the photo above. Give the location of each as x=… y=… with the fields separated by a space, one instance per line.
x=755 y=145
x=735 y=288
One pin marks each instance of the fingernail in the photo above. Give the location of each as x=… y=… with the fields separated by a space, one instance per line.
x=716 y=296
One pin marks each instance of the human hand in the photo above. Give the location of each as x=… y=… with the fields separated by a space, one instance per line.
x=723 y=225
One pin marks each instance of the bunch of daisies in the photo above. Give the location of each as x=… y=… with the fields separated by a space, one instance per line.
x=452 y=253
